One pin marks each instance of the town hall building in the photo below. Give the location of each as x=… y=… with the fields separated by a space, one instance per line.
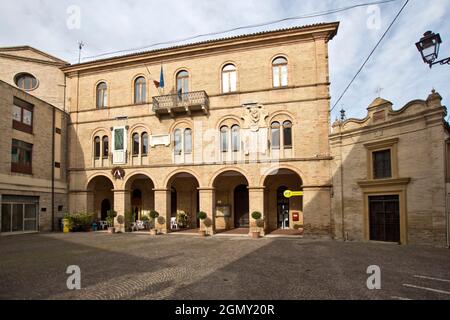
x=234 y=124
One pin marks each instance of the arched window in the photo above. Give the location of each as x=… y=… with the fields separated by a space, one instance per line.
x=229 y=78
x=224 y=138
x=187 y=141
x=182 y=82
x=140 y=90
x=135 y=143
x=177 y=141
x=105 y=141
x=97 y=147
x=279 y=72
x=25 y=81
x=235 y=138
x=144 y=143
x=102 y=95
x=275 y=133
x=287 y=134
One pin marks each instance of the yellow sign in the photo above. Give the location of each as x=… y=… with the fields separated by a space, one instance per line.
x=290 y=193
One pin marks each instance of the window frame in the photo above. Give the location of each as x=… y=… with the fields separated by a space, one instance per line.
x=140 y=90
x=25 y=75
x=272 y=146
x=136 y=145
x=103 y=149
x=19 y=167
x=279 y=68
x=104 y=95
x=235 y=134
x=228 y=74
x=144 y=143
x=97 y=147
x=392 y=145
x=285 y=127
x=21 y=125
x=224 y=138
x=183 y=81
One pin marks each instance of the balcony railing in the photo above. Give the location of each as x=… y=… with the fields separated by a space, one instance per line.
x=183 y=103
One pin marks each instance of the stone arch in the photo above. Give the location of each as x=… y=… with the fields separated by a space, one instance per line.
x=173 y=174
x=223 y=119
x=281 y=113
x=271 y=170
x=235 y=169
x=132 y=176
x=96 y=175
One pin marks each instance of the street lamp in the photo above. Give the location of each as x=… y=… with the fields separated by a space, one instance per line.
x=428 y=47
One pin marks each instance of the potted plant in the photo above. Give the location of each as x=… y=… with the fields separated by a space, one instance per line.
x=110 y=215
x=145 y=220
x=154 y=215
x=202 y=216
x=129 y=220
x=256 y=215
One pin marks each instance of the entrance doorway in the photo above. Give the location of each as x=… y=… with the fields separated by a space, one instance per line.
x=136 y=203
x=384 y=218
x=241 y=214
x=105 y=207
x=282 y=209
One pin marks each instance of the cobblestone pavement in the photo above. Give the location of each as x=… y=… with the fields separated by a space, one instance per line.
x=131 y=266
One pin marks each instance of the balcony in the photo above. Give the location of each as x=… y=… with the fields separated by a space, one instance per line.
x=181 y=104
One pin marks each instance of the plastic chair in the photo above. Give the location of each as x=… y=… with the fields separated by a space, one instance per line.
x=173 y=223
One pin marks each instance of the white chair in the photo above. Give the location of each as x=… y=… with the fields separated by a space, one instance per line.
x=173 y=223
x=140 y=225
x=103 y=224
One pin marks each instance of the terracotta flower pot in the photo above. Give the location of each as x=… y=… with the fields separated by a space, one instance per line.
x=255 y=234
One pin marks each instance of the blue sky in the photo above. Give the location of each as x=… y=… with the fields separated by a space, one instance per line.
x=107 y=26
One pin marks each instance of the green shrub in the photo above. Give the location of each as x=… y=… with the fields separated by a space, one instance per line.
x=256 y=215
x=80 y=221
x=110 y=215
x=145 y=218
x=201 y=215
x=154 y=214
x=182 y=219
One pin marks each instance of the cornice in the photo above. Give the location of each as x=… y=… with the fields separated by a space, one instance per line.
x=326 y=31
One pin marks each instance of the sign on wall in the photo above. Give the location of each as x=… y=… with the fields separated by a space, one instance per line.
x=160 y=140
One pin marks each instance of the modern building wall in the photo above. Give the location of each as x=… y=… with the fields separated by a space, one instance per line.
x=48 y=137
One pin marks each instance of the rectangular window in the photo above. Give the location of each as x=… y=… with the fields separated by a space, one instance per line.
x=22 y=115
x=284 y=76
x=21 y=157
x=382 y=164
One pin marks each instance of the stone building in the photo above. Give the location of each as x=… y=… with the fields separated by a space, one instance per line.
x=238 y=121
x=33 y=166
x=235 y=123
x=389 y=173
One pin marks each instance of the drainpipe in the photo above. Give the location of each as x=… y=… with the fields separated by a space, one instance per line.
x=344 y=236
x=53 y=169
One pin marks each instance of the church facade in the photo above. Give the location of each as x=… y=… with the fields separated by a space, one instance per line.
x=226 y=127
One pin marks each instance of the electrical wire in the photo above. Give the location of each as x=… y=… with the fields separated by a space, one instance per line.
x=370 y=55
x=305 y=16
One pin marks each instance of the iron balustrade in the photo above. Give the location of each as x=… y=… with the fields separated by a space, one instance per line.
x=181 y=101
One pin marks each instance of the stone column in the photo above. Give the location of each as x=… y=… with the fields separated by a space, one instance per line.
x=207 y=203
x=162 y=205
x=256 y=203
x=122 y=205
